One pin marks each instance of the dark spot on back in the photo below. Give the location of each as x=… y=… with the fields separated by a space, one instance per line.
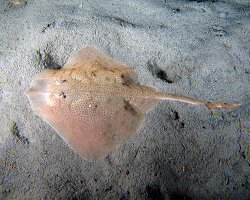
x=95 y=107
x=126 y=80
x=128 y=107
x=93 y=73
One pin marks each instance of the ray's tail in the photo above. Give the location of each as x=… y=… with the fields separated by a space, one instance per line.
x=211 y=105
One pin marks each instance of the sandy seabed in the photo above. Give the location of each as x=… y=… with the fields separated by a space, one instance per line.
x=194 y=48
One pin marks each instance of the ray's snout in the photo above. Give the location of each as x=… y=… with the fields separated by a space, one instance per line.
x=39 y=92
x=36 y=85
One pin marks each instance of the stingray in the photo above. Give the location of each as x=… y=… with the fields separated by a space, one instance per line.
x=95 y=103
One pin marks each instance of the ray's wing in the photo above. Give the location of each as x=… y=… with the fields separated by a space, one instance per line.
x=93 y=62
x=88 y=54
x=104 y=124
x=93 y=126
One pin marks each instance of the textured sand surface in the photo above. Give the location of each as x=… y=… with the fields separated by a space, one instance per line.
x=198 y=49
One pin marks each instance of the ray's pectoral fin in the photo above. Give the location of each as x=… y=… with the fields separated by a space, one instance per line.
x=101 y=126
x=89 y=54
x=93 y=62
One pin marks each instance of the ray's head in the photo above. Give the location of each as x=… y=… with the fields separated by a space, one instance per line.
x=48 y=89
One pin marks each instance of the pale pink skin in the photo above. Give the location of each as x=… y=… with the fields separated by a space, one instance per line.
x=95 y=102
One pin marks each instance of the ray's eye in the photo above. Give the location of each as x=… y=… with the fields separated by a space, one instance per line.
x=61 y=95
x=60 y=82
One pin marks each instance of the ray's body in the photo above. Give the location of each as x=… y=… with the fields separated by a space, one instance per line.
x=95 y=103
